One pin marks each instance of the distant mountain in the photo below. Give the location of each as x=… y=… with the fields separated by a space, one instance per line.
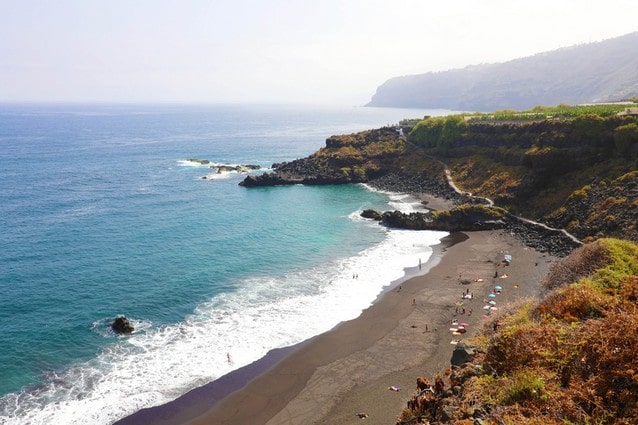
x=594 y=72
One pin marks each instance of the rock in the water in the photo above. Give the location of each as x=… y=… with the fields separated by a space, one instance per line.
x=374 y=215
x=122 y=325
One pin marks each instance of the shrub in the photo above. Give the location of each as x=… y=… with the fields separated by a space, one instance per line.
x=525 y=387
x=438 y=132
x=625 y=136
x=582 y=262
x=574 y=303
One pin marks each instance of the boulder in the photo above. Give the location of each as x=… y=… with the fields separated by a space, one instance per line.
x=462 y=354
x=372 y=214
x=121 y=325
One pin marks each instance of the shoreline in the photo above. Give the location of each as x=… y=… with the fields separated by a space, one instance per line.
x=334 y=375
x=201 y=399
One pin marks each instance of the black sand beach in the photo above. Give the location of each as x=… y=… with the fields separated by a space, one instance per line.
x=350 y=369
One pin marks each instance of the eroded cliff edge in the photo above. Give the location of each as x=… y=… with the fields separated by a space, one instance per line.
x=568 y=172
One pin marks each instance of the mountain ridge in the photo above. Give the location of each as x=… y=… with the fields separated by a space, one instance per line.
x=586 y=73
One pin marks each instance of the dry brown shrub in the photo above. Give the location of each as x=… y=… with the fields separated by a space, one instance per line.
x=582 y=262
x=521 y=347
x=629 y=292
x=575 y=303
x=522 y=416
x=608 y=363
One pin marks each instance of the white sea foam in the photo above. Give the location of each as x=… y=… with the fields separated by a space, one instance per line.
x=158 y=364
x=187 y=163
x=406 y=203
x=403 y=202
x=220 y=176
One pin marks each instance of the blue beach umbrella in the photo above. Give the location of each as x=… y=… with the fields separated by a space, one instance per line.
x=498 y=287
x=492 y=295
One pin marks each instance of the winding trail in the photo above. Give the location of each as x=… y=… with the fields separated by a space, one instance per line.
x=490 y=203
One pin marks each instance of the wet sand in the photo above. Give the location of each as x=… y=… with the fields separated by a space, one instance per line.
x=349 y=370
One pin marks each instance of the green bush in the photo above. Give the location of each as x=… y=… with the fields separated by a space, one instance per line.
x=625 y=136
x=438 y=132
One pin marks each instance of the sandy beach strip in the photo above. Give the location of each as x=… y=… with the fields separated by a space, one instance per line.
x=351 y=369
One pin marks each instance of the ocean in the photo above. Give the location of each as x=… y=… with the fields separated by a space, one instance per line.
x=104 y=213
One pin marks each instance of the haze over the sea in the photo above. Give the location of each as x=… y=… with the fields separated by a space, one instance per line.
x=280 y=51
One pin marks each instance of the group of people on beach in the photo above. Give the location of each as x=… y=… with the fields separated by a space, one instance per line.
x=458 y=328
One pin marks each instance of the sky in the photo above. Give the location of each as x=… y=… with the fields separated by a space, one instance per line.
x=273 y=51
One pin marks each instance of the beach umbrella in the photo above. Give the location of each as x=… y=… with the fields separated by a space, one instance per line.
x=492 y=302
x=464 y=324
x=498 y=287
x=493 y=308
x=487 y=307
x=492 y=295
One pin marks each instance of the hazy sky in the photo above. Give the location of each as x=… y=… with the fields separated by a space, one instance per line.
x=274 y=51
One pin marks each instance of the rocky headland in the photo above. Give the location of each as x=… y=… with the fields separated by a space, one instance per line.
x=568 y=173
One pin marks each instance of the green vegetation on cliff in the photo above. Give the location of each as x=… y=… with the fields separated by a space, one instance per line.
x=361 y=155
x=537 y=163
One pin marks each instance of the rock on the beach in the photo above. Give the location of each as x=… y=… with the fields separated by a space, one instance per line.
x=462 y=354
x=122 y=325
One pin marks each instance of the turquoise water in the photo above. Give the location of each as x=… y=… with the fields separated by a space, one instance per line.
x=102 y=215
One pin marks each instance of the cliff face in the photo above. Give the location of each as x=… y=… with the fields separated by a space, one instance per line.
x=595 y=72
x=569 y=173
x=380 y=155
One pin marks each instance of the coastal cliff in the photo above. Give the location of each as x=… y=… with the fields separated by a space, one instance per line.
x=381 y=156
x=568 y=171
x=594 y=72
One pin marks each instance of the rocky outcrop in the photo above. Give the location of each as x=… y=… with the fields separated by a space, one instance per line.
x=301 y=171
x=462 y=218
x=601 y=209
x=351 y=158
x=472 y=217
x=121 y=325
x=227 y=168
x=528 y=167
x=371 y=214
x=463 y=353
x=541 y=238
x=434 y=184
x=441 y=402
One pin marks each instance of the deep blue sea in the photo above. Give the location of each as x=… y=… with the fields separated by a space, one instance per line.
x=102 y=214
